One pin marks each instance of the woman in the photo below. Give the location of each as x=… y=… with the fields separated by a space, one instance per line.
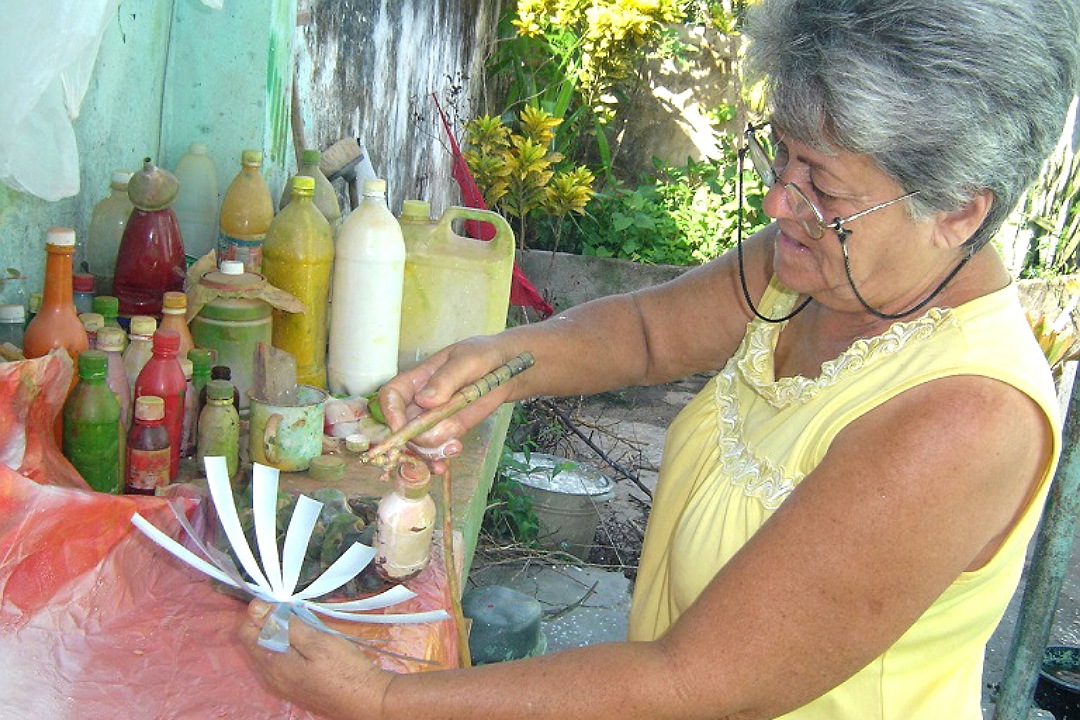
x=842 y=513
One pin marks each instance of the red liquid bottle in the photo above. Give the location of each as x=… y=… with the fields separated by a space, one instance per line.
x=148 y=455
x=163 y=377
x=150 y=261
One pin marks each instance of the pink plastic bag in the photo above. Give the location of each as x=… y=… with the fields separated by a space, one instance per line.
x=105 y=624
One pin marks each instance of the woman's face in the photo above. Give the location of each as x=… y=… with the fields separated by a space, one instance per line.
x=891 y=255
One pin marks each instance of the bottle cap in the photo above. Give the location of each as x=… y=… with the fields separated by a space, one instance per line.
x=374 y=186
x=35 y=302
x=166 y=341
x=357 y=443
x=143 y=325
x=185 y=365
x=220 y=372
x=414 y=475
x=219 y=390
x=201 y=360
x=110 y=338
x=12 y=314
x=231 y=267
x=92 y=321
x=310 y=157
x=82 y=283
x=107 y=306
x=149 y=408
x=120 y=179
x=93 y=363
x=251 y=157
x=61 y=237
x=327 y=468
x=303 y=183
x=173 y=300
x=416 y=210
x=197 y=148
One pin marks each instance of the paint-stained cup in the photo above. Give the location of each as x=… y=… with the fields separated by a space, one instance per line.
x=288 y=436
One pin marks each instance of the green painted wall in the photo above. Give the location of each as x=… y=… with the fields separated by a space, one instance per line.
x=168 y=73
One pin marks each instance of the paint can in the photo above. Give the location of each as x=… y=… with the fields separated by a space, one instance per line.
x=287 y=437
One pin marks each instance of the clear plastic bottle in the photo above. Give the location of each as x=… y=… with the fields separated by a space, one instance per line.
x=298 y=257
x=92 y=425
x=82 y=284
x=174 y=317
x=111 y=341
x=107 y=223
x=191 y=409
x=246 y=213
x=365 y=319
x=196 y=205
x=140 y=349
x=324 y=195
x=405 y=525
x=92 y=323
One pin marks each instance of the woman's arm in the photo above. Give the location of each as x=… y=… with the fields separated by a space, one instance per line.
x=909 y=496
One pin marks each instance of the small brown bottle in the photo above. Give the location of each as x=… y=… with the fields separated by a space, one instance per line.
x=148 y=449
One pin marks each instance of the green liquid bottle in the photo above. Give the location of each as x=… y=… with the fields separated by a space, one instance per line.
x=219 y=426
x=92 y=425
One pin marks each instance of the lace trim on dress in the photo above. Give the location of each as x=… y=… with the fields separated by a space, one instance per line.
x=756 y=362
x=757 y=477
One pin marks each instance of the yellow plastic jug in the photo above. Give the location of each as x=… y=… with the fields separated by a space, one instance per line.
x=455 y=287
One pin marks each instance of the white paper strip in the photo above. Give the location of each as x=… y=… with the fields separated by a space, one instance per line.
x=264 y=486
x=301 y=524
x=217 y=477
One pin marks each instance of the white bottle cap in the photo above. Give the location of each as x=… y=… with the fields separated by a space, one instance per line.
x=12 y=313
x=232 y=267
x=375 y=186
x=64 y=237
x=197 y=149
x=121 y=177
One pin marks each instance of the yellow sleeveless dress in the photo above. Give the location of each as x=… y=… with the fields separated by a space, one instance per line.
x=742 y=445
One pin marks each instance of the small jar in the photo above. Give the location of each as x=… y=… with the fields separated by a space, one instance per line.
x=12 y=324
x=219 y=427
x=82 y=285
x=405 y=525
x=148 y=450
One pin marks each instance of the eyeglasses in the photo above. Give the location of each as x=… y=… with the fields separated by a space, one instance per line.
x=805 y=211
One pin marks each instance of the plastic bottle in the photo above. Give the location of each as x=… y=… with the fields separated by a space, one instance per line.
x=202 y=359
x=324 y=196
x=298 y=257
x=110 y=341
x=188 y=435
x=405 y=525
x=92 y=323
x=366 y=318
x=219 y=426
x=12 y=324
x=148 y=449
x=92 y=425
x=108 y=307
x=107 y=223
x=140 y=349
x=174 y=317
x=246 y=213
x=196 y=205
x=150 y=261
x=455 y=286
x=162 y=376
x=82 y=284
x=224 y=373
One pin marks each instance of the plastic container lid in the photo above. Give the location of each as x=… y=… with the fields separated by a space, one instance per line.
x=12 y=314
x=93 y=363
x=92 y=321
x=110 y=338
x=143 y=325
x=303 y=183
x=186 y=366
x=82 y=283
x=327 y=468
x=166 y=340
x=251 y=157
x=173 y=300
x=231 y=267
x=220 y=372
x=559 y=475
x=374 y=186
x=357 y=443
x=61 y=237
x=149 y=408
x=310 y=157
x=416 y=210
x=107 y=305
x=219 y=390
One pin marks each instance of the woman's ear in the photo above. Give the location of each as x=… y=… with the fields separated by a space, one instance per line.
x=954 y=228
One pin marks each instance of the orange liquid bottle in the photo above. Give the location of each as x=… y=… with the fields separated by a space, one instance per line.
x=57 y=324
x=246 y=213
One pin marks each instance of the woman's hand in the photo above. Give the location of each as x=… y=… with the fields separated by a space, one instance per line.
x=324 y=673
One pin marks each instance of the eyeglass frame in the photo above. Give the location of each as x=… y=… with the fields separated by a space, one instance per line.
x=763 y=166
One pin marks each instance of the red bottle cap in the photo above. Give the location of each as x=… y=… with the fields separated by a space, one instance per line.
x=82 y=282
x=167 y=341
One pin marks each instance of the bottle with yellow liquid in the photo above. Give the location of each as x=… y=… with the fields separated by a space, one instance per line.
x=298 y=257
x=455 y=286
x=246 y=213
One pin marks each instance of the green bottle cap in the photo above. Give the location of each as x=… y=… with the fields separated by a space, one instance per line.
x=107 y=306
x=310 y=157
x=251 y=157
x=201 y=360
x=219 y=390
x=93 y=364
x=327 y=468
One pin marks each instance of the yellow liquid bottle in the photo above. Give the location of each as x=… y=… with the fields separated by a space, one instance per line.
x=298 y=257
x=246 y=213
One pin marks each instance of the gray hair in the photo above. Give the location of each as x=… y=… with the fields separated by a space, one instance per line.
x=949 y=97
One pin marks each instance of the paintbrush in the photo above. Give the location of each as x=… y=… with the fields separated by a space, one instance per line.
x=392 y=446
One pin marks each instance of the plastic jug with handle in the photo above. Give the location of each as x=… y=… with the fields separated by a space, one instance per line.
x=455 y=286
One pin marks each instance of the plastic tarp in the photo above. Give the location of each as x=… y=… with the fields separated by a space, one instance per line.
x=98 y=622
